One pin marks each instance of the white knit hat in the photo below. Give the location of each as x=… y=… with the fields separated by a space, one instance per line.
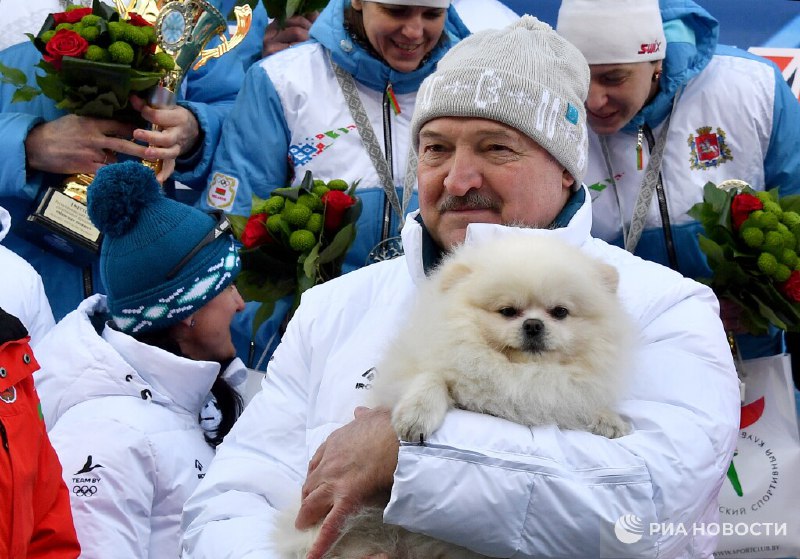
x=525 y=76
x=426 y=3
x=613 y=31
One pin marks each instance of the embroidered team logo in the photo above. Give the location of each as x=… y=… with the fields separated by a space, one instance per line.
x=222 y=191
x=708 y=149
x=302 y=152
x=9 y=395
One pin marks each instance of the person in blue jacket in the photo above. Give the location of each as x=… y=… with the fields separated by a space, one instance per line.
x=658 y=73
x=292 y=115
x=42 y=144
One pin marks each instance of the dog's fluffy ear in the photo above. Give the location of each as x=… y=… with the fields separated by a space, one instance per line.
x=452 y=273
x=609 y=276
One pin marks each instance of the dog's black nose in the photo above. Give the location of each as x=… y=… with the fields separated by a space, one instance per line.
x=532 y=327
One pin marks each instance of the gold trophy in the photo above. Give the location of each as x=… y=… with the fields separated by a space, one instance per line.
x=183 y=27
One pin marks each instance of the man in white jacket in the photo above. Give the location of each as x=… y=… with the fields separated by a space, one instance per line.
x=501 y=134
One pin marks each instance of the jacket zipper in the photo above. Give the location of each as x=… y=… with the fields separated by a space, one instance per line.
x=662 y=206
x=387 y=147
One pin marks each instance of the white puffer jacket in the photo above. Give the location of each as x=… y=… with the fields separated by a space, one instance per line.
x=123 y=418
x=488 y=484
x=21 y=289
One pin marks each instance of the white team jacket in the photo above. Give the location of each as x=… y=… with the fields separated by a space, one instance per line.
x=123 y=418
x=21 y=289
x=488 y=484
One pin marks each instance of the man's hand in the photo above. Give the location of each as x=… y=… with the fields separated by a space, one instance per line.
x=353 y=467
x=177 y=131
x=295 y=31
x=78 y=144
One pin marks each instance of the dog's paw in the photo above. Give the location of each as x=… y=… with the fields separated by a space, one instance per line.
x=413 y=422
x=610 y=425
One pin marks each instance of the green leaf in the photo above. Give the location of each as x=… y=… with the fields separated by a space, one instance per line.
x=238 y=223
x=310 y=262
x=291 y=7
x=13 y=76
x=25 y=93
x=339 y=245
x=276 y=9
x=51 y=87
x=790 y=203
x=308 y=182
x=314 y=6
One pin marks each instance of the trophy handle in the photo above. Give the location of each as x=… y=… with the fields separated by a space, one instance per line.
x=244 y=17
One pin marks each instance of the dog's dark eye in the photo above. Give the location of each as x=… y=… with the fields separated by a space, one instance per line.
x=559 y=312
x=508 y=312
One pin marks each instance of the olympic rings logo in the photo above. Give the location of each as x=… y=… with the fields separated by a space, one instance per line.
x=84 y=490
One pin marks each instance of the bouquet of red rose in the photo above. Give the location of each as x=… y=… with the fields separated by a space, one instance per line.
x=294 y=240
x=92 y=60
x=751 y=244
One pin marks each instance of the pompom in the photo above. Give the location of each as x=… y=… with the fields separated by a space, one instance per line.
x=117 y=195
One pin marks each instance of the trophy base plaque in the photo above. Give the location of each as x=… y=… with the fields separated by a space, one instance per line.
x=61 y=225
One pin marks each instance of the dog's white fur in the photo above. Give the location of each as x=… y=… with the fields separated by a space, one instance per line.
x=527 y=328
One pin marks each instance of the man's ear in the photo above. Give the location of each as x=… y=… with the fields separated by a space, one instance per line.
x=567 y=180
x=356 y=5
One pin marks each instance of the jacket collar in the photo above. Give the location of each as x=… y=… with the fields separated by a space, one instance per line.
x=329 y=31
x=573 y=225
x=183 y=381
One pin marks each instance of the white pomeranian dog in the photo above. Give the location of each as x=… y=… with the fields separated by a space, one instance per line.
x=523 y=327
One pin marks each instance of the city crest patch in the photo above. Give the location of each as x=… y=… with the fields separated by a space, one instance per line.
x=708 y=149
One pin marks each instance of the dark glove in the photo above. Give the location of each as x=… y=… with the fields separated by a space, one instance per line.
x=11 y=328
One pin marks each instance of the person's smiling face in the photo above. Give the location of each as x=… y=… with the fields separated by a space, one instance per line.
x=401 y=35
x=617 y=93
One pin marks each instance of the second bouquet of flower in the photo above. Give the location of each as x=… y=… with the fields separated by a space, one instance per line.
x=751 y=242
x=293 y=240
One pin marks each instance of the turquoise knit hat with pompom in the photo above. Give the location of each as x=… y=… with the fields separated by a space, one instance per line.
x=145 y=236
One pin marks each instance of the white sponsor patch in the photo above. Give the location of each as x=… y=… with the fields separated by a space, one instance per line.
x=222 y=191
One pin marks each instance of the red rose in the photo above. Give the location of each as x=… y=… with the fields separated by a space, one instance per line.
x=336 y=202
x=791 y=287
x=742 y=206
x=137 y=20
x=72 y=16
x=64 y=43
x=255 y=231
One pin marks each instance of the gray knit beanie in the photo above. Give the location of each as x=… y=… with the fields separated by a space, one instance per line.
x=525 y=76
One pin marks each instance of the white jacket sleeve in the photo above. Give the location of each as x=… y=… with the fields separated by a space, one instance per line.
x=513 y=491
x=111 y=474
x=257 y=470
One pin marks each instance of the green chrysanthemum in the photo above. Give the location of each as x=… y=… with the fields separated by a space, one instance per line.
x=310 y=201
x=789 y=258
x=274 y=204
x=302 y=240
x=314 y=223
x=767 y=263
x=89 y=32
x=297 y=216
x=773 y=208
x=121 y=52
x=782 y=273
x=773 y=242
x=275 y=224
x=752 y=236
x=97 y=54
x=320 y=190
x=164 y=61
x=338 y=184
